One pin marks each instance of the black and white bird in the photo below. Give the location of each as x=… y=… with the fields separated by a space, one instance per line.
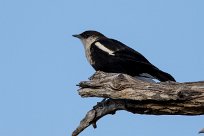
x=110 y=55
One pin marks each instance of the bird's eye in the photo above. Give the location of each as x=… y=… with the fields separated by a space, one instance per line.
x=86 y=35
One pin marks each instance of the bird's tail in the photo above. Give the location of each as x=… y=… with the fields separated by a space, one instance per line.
x=163 y=76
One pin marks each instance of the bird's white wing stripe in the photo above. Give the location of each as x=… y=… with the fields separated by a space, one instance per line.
x=102 y=47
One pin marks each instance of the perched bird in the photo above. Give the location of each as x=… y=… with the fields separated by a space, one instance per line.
x=110 y=55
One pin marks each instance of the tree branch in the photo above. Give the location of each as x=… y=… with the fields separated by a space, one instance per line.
x=136 y=96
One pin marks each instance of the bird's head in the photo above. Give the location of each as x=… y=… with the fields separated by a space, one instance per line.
x=88 y=37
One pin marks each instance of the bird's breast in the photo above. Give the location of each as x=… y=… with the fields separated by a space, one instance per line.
x=88 y=56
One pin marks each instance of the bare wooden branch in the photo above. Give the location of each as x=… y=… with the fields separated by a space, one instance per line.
x=136 y=96
x=101 y=109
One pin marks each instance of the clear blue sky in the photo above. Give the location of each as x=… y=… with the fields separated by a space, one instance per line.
x=41 y=63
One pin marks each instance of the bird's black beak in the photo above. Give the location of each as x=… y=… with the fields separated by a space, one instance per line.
x=77 y=36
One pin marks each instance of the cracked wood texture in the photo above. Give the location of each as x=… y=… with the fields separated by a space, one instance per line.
x=136 y=96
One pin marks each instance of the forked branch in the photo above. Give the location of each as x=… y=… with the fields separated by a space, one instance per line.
x=136 y=96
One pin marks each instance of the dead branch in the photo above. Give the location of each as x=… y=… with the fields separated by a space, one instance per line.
x=136 y=96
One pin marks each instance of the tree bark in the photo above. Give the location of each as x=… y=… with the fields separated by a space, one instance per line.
x=133 y=95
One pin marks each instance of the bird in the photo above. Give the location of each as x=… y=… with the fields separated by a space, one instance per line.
x=112 y=56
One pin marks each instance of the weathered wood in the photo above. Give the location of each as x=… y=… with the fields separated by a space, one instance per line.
x=136 y=96
x=98 y=111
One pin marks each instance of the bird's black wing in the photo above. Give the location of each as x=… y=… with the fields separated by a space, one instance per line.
x=117 y=57
x=123 y=51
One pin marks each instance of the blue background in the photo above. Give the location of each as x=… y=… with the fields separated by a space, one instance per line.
x=41 y=63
